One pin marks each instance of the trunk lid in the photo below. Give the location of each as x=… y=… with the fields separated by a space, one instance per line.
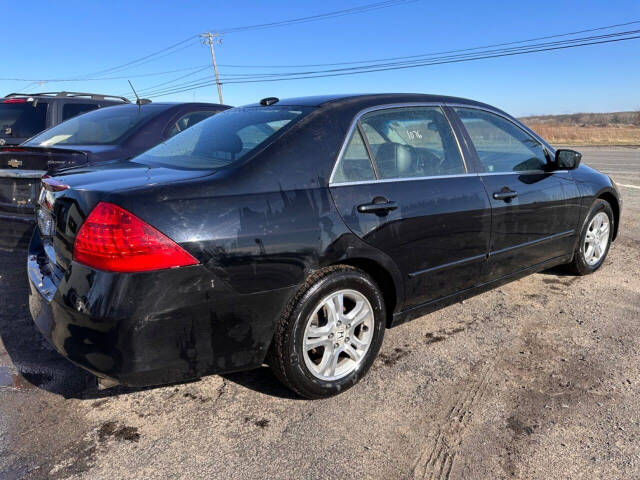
x=21 y=169
x=77 y=191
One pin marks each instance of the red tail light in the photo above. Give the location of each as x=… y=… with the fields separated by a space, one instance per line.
x=115 y=240
x=15 y=100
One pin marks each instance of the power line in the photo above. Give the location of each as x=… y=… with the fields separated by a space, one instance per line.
x=479 y=56
x=377 y=63
x=312 y=18
x=171 y=49
x=437 y=53
x=124 y=77
x=141 y=60
x=363 y=69
x=151 y=87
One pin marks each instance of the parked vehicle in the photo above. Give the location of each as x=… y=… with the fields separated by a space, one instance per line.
x=295 y=232
x=117 y=132
x=23 y=115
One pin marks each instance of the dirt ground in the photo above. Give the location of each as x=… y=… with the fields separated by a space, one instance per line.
x=538 y=379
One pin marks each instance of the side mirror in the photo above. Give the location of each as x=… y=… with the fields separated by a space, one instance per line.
x=567 y=159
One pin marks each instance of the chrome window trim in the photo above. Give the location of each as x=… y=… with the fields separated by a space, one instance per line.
x=355 y=122
x=522 y=172
x=403 y=179
x=435 y=177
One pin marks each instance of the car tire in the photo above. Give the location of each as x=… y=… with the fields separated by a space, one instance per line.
x=312 y=318
x=585 y=260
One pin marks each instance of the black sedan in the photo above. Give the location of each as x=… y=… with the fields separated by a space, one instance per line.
x=295 y=232
x=117 y=132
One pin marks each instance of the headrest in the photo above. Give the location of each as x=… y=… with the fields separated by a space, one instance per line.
x=395 y=160
x=229 y=144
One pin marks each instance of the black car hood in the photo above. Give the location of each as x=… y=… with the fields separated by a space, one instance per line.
x=124 y=175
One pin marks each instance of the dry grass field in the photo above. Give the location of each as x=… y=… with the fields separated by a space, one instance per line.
x=588 y=134
x=617 y=128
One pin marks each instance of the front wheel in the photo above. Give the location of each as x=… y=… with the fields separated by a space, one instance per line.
x=330 y=334
x=595 y=239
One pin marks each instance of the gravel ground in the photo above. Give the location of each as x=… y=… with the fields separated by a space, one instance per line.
x=537 y=379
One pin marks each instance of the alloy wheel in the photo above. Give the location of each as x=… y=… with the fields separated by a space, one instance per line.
x=596 y=238
x=338 y=334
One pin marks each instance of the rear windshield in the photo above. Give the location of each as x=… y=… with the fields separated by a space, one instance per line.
x=22 y=120
x=105 y=126
x=224 y=138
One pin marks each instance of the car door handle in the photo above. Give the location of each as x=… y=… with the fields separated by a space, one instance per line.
x=377 y=207
x=505 y=194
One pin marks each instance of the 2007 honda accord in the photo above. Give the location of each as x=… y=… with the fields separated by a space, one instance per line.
x=294 y=232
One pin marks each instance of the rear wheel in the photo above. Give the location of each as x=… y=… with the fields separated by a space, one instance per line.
x=595 y=239
x=330 y=334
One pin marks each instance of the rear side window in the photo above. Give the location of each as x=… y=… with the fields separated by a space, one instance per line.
x=355 y=164
x=501 y=145
x=406 y=143
x=189 y=120
x=22 y=120
x=224 y=138
x=105 y=126
x=70 y=110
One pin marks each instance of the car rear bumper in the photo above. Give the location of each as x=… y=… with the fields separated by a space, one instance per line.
x=154 y=328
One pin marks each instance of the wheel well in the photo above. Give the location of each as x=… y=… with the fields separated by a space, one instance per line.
x=382 y=277
x=609 y=197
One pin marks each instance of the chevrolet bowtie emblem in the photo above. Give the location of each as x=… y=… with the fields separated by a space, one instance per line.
x=14 y=163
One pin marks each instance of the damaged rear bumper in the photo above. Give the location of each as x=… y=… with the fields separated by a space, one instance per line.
x=153 y=328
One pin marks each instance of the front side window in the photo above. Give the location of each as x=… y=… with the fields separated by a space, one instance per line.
x=412 y=142
x=105 y=126
x=501 y=145
x=225 y=138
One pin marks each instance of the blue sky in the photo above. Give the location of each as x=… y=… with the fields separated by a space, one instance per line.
x=75 y=38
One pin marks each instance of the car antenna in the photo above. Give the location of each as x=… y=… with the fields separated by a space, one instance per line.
x=139 y=101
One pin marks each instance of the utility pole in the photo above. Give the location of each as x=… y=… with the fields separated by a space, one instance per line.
x=211 y=39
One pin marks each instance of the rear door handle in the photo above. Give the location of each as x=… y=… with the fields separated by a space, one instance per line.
x=505 y=194
x=377 y=207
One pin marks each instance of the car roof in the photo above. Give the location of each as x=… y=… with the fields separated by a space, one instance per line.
x=373 y=98
x=195 y=104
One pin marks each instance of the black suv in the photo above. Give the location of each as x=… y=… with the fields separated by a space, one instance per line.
x=22 y=115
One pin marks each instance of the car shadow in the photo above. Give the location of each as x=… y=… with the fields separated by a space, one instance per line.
x=558 y=271
x=262 y=380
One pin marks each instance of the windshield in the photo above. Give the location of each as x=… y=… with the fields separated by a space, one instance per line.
x=224 y=138
x=22 y=120
x=105 y=126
